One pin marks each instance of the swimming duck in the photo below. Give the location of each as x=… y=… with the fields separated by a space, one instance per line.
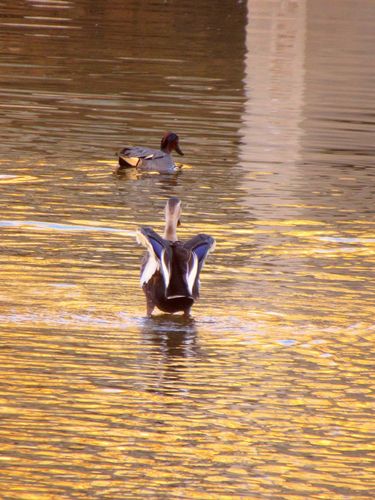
x=159 y=160
x=170 y=269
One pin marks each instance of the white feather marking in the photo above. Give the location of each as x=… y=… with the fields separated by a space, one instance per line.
x=165 y=269
x=143 y=240
x=152 y=262
x=192 y=274
x=152 y=265
x=212 y=247
x=139 y=237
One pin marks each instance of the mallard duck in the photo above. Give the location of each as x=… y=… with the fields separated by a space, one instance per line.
x=159 y=160
x=170 y=269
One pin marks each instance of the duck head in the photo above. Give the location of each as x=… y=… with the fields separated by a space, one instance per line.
x=170 y=143
x=172 y=218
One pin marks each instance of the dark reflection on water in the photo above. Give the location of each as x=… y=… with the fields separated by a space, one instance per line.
x=266 y=392
x=174 y=340
x=174 y=335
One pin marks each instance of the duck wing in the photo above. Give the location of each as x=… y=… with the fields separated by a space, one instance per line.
x=141 y=152
x=159 y=255
x=199 y=246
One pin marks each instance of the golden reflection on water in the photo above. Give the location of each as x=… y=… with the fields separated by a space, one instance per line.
x=267 y=392
x=247 y=426
x=242 y=399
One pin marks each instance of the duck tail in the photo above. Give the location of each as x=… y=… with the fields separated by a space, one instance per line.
x=128 y=162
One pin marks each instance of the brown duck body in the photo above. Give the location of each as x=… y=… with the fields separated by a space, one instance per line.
x=155 y=297
x=177 y=296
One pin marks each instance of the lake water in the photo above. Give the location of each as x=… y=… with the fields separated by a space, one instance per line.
x=267 y=392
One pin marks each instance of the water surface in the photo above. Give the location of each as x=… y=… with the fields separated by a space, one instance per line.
x=266 y=392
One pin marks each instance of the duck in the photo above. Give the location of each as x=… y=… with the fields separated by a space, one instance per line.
x=170 y=268
x=158 y=160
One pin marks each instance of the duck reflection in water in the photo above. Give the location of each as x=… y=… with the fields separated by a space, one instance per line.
x=175 y=348
x=164 y=181
x=175 y=336
x=170 y=269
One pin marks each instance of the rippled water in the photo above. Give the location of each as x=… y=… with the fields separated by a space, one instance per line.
x=266 y=393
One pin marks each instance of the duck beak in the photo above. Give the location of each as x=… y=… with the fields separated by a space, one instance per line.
x=177 y=148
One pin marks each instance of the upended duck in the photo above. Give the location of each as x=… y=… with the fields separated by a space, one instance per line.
x=159 y=160
x=170 y=269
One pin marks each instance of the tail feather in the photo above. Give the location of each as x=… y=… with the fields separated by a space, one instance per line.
x=128 y=162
